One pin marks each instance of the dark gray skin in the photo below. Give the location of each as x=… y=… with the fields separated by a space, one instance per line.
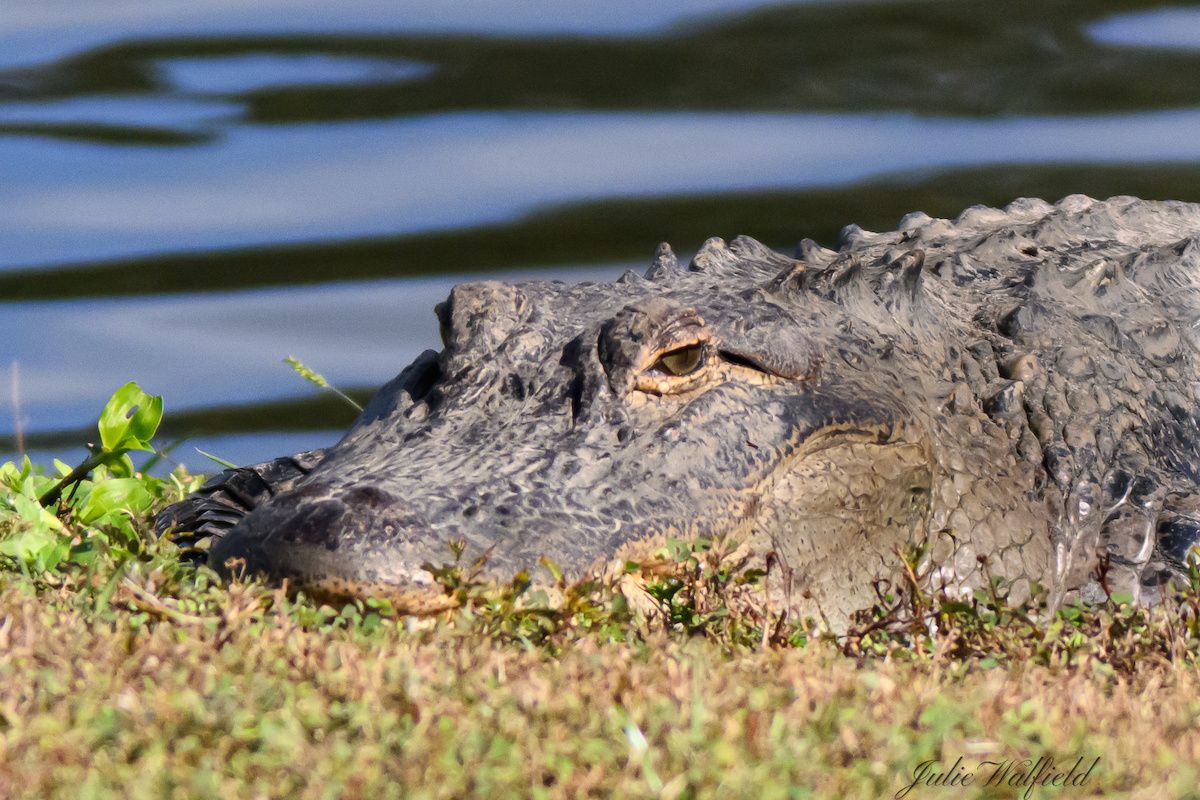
x=1016 y=385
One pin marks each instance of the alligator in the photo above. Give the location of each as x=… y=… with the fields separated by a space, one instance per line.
x=1013 y=392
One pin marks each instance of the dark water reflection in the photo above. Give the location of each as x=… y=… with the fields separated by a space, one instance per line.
x=186 y=209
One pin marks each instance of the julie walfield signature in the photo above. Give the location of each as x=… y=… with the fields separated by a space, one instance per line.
x=1025 y=773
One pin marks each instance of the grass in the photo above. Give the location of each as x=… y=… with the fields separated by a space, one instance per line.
x=126 y=671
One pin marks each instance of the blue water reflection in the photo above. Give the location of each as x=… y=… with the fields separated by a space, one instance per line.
x=68 y=202
x=38 y=31
x=180 y=113
x=237 y=74
x=1161 y=27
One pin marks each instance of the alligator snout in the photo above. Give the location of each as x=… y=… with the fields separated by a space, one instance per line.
x=333 y=542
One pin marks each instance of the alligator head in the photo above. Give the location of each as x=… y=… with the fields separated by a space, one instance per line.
x=1005 y=387
x=589 y=424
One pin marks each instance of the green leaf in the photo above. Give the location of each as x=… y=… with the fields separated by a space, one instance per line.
x=32 y=513
x=118 y=494
x=680 y=551
x=554 y=569
x=221 y=461
x=28 y=546
x=383 y=605
x=130 y=419
x=120 y=467
x=53 y=553
x=38 y=544
x=10 y=477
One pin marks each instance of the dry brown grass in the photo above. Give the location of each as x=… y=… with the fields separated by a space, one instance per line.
x=268 y=698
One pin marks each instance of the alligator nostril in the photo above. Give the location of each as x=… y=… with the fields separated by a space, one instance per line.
x=576 y=392
x=368 y=497
x=515 y=387
x=425 y=382
x=479 y=316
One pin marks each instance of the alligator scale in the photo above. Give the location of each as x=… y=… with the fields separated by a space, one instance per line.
x=1015 y=384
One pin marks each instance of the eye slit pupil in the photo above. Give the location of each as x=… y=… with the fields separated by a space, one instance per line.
x=683 y=361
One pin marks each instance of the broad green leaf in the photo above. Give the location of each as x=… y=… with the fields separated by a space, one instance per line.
x=130 y=419
x=28 y=545
x=37 y=542
x=10 y=477
x=32 y=513
x=121 y=467
x=118 y=494
x=52 y=553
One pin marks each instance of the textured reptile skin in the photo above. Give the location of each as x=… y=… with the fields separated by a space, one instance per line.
x=1015 y=384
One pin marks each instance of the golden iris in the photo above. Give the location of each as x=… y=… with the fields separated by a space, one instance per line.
x=683 y=361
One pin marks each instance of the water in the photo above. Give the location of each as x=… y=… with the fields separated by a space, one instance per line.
x=34 y=32
x=260 y=185
x=192 y=193
x=1158 y=28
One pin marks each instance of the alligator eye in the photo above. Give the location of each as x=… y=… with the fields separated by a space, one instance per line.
x=683 y=361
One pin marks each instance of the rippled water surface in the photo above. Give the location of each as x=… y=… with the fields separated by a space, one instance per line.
x=192 y=192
